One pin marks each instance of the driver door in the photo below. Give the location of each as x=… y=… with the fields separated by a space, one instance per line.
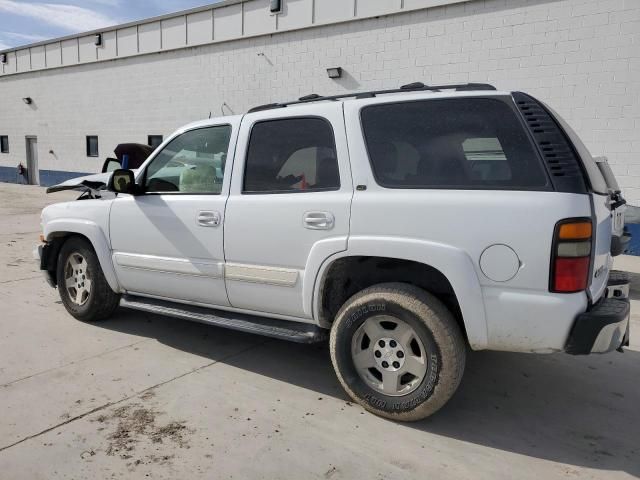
x=168 y=241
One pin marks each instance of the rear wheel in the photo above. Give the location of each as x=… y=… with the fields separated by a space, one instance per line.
x=397 y=351
x=83 y=289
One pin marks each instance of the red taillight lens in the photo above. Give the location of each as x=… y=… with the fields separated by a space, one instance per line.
x=571 y=256
x=571 y=274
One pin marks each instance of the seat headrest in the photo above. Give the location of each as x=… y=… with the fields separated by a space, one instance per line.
x=198 y=178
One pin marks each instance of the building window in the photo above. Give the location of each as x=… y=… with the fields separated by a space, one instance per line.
x=92 y=146
x=154 y=140
x=291 y=156
x=4 y=144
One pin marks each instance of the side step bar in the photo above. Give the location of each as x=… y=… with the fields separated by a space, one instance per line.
x=269 y=327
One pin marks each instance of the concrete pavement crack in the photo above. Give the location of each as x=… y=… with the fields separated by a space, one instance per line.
x=20 y=279
x=74 y=362
x=116 y=402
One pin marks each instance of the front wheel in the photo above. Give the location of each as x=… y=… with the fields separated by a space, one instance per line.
x=397 y=351
x=83 y=289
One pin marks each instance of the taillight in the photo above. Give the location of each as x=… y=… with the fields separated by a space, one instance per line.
x=571 y=256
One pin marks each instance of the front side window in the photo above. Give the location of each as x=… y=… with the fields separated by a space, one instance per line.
x=4 y=144
x=453 y=143
x=193 y=162
x=291 y=155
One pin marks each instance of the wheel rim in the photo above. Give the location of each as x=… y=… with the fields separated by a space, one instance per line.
x=77 y=280
x=389 y=356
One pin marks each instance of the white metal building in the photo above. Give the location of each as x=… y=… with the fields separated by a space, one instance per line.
x=60 y=100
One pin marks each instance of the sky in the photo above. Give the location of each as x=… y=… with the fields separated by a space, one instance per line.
x=25 y=21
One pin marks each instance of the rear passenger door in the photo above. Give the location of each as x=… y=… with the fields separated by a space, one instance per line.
x=288 y=208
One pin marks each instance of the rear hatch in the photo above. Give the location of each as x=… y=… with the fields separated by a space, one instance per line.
x=603 y=202
x=574 y=170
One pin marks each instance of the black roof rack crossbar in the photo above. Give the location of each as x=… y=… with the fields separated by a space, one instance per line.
x=411 y=87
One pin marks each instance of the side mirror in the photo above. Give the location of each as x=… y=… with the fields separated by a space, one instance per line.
x=122 y=181
x=110 y=165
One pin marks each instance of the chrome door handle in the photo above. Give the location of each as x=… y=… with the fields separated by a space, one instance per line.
x=319 y=220
x=207 y=218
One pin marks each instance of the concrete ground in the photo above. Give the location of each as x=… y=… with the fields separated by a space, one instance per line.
x=143 y=396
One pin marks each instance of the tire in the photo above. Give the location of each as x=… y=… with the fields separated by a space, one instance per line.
x=78 y=264
x=432 y=355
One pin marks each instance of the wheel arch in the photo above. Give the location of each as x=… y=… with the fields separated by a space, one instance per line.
x=445 y=271
x=58 y=232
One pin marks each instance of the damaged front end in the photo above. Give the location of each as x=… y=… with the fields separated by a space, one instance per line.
x=92 y=183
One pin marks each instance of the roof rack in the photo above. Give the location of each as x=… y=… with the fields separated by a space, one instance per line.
x=411 y=87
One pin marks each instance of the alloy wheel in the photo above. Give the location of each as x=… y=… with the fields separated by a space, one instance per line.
x=77 y=280
x=389 y=356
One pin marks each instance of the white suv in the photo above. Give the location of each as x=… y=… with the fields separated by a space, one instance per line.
x=408 y=225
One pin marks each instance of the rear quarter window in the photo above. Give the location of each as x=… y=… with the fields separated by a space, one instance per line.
x=465 y=143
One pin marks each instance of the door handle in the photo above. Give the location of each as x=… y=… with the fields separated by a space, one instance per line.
x=208 y=218
x=319 y=220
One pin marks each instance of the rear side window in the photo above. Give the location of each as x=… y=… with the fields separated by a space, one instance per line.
x=470 y=143
x=292 y=155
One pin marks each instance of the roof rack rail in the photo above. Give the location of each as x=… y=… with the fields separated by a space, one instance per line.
x=411 y=87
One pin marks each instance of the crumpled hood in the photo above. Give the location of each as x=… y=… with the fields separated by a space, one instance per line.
x=92 y=182
x=96 y=182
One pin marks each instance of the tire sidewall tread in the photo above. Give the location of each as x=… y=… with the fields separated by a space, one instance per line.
x=102 y=300
x=438 y=331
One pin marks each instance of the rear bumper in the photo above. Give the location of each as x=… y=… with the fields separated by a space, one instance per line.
x=601 y=329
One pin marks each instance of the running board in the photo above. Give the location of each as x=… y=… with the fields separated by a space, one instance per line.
x=269 y=327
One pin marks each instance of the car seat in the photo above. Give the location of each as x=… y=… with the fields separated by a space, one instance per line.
x=198 y=179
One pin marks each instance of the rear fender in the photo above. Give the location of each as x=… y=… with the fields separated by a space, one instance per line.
x=453 y=263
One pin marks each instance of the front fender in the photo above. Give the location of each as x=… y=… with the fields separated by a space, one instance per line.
x=94 y=234
x=453 y=263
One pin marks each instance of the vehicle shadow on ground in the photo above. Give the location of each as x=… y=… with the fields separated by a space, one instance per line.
x=578 y=411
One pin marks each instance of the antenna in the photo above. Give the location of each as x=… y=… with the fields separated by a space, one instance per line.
x=224 y=104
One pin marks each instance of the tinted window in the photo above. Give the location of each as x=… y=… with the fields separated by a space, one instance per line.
x=92 y=146
x=291 y=155
x=193 y=162
x=4 y=144
x=455 y=143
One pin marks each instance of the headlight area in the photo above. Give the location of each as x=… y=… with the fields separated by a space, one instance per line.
x=45 y=253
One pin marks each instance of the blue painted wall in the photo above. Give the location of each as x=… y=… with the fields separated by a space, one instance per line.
x=47 y=177
x=634 y=245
